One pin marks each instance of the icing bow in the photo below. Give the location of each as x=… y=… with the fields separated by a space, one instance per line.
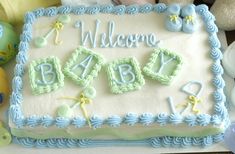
x=173 y=17
x=189 y=19
x=58 y=26
x=193 y=101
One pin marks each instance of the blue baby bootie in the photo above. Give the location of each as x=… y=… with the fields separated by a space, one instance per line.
x=189 y=22
x=173 y=21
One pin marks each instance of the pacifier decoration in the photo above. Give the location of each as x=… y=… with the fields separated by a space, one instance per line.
x=84 y=98
x=4 y=87
x=8 y=42
x=175 y=23
x=193 y=97
x=5 y=136
x=41 y=41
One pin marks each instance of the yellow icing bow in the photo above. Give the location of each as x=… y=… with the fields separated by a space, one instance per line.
x=173 y=17
x=193 y=101
x=189 y=19
x=84 y=100
x=58 y=26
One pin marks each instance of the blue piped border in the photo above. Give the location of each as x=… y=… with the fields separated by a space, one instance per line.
x=17 y=117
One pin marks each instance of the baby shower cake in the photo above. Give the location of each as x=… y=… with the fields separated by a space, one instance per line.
x=106 y=75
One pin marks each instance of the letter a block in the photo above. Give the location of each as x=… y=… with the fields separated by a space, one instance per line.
x=45 y=75
x=163 y=66
x=124 y=75
x=83 y=66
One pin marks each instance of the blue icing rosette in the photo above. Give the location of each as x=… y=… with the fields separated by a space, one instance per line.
x=146 y=119
x=167 y=141
x=206 y=141
x=38 y=12
x=26 y=142
x=175 y=119
x=215 y=120
x=78 y=122
x=108 y=8
x=218 y=138
x=32 y=121
x=162 y=119
x=186 y=142
x=23 y=47
x=61 y=143
x=132 y=9
x=218 y=96
x=114 y=121
x=84 y=142
x=203 y=119
x=71 y=143
x=79 y=10
x=64 y=9
x=51 y=11
x=62 y=122
x=216 y=54
x=26 y=37
x=19 y=70
x=201 y=9
x=211 y=27
x=146 y=8
x=217 y=69
x=21 y=58
x=196 y=141
x=221 y=110
x=93 y=9
x=96 y=122
x=218 y=82
x=177 y=141
x=119 y=10
x=16 y=98
x=191 y=120
x=159 y=8
x=17 y=84
x=131 y=119
x=29 y=18
x=214 y=41
x=47 y=121
x=40 y=143
x=155 y=142
x=51 y=143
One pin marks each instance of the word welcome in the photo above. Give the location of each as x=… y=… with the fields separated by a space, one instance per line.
x=109 y=40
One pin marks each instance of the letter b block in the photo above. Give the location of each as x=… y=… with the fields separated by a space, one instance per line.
x=124 y=75
x=45 y=75
x=83 y=66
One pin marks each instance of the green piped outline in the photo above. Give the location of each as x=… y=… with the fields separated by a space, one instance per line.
x=164 y=79
x=48 y=88
x=93 y=74
x=118 y=89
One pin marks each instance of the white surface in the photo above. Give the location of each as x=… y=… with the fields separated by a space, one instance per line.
x=13 y=149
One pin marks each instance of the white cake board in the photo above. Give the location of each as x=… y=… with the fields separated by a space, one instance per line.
x=13 y=148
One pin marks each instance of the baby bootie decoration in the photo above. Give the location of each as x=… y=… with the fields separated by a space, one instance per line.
x=189 y=23
x=84 y=98
x=173 y=21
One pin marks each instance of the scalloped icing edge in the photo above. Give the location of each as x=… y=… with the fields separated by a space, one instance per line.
x=15 y=112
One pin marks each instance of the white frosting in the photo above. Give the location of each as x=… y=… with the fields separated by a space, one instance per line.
x=194 y=49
